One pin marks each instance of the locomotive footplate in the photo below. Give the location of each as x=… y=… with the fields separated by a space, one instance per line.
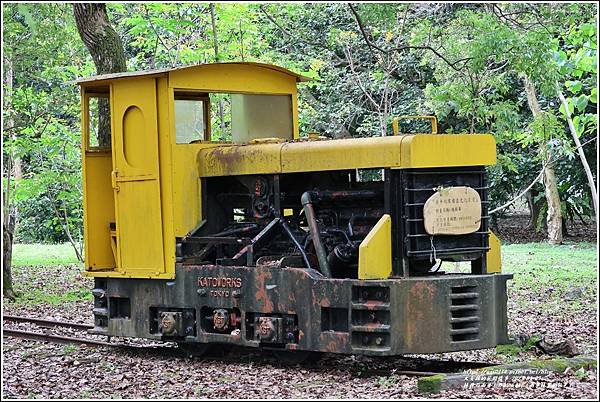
x=299 y=309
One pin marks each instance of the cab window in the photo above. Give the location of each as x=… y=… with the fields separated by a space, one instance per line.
x=232 y=117
x=97 y=131
x=191 y=117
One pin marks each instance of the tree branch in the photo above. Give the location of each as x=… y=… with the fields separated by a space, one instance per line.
x=402 y=48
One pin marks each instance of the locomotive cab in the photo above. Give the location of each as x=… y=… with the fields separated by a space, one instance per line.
x=209 y=219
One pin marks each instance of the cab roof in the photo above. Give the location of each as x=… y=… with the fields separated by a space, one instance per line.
x=110 y=77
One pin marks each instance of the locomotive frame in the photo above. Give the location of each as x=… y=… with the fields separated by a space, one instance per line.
x=269 y=240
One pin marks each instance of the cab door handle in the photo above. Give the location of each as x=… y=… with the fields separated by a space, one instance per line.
x=113 y=180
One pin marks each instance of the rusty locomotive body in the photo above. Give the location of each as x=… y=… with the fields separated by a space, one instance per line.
x=270 y=240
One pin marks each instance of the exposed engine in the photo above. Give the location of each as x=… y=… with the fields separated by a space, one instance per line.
x=318 y=220
x=304 y=220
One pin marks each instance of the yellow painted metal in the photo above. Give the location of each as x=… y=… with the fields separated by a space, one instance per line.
x=229 y=160
x=494 y=256
x=239 y=78
x=166 y=178
x=433 y=119
x=99 y=211
x=405 y=151
x=136 y=171
x=98 y=205
x=395 y=128
x=439 y=150
x=109 y=78
x=375 y=251
x=186 y=187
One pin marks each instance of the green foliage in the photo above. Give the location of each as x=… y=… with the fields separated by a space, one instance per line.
x=473 y=75
x=478 y=87
x=514 y=349
x=32 y=297
x=43 y=114
x=578 y=63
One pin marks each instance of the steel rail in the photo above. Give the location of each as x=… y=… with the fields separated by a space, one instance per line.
x=45 y=337
x=42 y=322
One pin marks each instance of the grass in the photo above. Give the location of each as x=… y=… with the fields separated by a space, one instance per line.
x=554 y=268
x=70 y=349
x=48 y=274
x=48 y=296
x=43 y=254
x=558 y=281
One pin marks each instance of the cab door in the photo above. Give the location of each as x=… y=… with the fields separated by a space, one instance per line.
x=135 y=178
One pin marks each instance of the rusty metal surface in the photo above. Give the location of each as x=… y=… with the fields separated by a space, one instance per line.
x=388 y=317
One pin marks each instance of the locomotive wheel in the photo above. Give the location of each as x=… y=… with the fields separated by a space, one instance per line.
x=296 y=356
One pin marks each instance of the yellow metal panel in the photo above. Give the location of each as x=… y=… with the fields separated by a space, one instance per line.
x=405 y=151
x=166 y=174
x=136 y=173
x=433 y=150
x=107 y=78
x=121 y=274
x=138 y=225
x=375 y=251
x=99 y=210
x=341 y=154
x=186 y=187
x=232 y=77
x=240 y=159
x=494 y=256
x=238 y=78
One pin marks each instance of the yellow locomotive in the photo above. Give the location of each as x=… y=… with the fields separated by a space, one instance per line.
x=209 y=220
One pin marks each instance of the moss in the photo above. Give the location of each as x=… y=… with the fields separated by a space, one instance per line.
x=556 y=365
x=531 y=343
x=435 y=383
x=576 y=363
x=559 y=365
x=431 y=384
x=512 y=349
x=508 y=350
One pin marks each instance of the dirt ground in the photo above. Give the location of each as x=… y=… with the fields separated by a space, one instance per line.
x=38 y=370
x=513 y=229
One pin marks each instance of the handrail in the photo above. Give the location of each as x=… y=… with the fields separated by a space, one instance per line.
x=433 y=119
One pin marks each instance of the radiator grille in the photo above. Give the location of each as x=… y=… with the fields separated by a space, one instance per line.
x=417 y=186
x=464 y=313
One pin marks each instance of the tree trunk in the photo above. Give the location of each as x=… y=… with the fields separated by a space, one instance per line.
x=107 y=51
x=535 y=207
x=7 y=243
x=554 y=215
x=584 y=162
x=12 y=171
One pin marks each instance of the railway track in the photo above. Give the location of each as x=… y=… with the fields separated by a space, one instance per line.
x=46 y=324
x=419 y=367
